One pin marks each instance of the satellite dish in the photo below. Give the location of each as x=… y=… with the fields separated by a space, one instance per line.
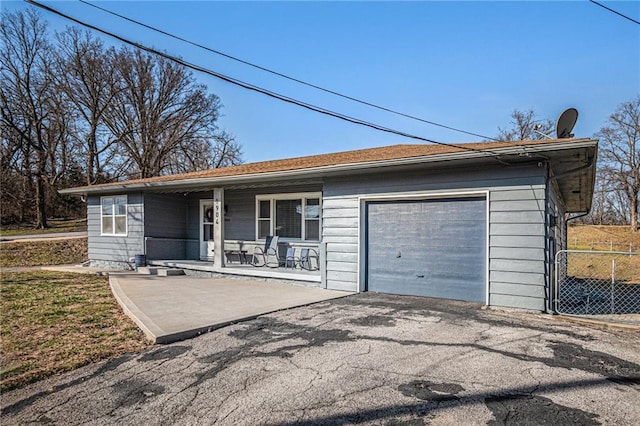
x=566 y=122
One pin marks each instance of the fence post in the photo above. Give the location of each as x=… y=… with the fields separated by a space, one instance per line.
x=613 y=282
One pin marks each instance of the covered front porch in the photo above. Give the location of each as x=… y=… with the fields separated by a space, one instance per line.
x=225 y=231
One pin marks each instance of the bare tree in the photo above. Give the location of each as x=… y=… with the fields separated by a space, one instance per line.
x=30 y=108
x=85 y=76
x=620 y=156
x=525 y=125
x=226 y=151
x=221 y=150
x=608 y=207
x=74 y=112
x=15 y=175
x=161 y=117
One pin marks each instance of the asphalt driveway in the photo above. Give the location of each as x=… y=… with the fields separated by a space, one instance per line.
x=361 y=359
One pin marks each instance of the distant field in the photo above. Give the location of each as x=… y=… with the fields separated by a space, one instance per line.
x=603 y=237
x=56 y=225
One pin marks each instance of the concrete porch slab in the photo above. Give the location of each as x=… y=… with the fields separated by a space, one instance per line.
x=175 y=308
x=246 y=270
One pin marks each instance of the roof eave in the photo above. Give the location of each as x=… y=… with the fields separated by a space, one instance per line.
x=516 y=150
x=577 y=191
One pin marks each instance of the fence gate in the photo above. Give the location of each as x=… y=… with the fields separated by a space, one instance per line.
x=597 y=282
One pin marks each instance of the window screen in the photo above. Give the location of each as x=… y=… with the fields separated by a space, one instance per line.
x=289 y=218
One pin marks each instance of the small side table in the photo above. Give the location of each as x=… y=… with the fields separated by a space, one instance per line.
x=242 y=255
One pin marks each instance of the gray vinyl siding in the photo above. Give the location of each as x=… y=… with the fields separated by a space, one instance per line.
x=240 y=222
x=164 y=224
x=517 y=249
x=556 y=207
x=166 y=215
x=557 y=236
x=105 y=248
x=516 y=197
x=340 y=217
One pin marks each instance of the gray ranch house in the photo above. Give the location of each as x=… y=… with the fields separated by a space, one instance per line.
x=477 y=222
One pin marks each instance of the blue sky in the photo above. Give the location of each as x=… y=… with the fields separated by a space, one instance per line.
x=462 y=64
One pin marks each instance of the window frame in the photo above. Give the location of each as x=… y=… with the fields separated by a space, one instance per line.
x=113 y=215
x=303 y=197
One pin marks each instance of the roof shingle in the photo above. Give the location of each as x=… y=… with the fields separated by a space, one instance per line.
x=385 y=153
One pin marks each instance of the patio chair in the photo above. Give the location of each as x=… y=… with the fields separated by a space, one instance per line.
x=290 y=258
x=309 y=259
x=268 y=254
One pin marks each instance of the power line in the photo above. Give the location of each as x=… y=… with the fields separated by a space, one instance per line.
x=279 y=74
x=614 y=11
x=269 y=93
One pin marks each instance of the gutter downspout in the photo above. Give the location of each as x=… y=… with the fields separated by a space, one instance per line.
x=547 y=239
x=552 y=272
x=583 y=214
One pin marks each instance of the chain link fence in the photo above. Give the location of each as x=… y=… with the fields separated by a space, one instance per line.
x=597 y=282
x=595 y=245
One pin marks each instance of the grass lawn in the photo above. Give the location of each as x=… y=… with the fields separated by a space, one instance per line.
x=57 y=252
x=53 y=322
x=55 y=225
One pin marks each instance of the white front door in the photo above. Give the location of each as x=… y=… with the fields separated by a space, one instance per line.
x=206 y=230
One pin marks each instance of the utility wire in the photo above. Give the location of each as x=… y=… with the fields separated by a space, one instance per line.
x=272 y=94
x=612 y=11
x=279 y=74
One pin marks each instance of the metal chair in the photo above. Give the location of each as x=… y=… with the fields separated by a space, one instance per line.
x=290 y=258
x=268 y=254
x=309 y=259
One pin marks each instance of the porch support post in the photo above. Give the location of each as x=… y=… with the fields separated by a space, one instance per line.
x=218 y=226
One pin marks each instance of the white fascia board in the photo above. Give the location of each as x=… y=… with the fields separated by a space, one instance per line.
x=519 y=150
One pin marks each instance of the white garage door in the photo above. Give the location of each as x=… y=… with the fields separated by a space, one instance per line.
x=434 y=248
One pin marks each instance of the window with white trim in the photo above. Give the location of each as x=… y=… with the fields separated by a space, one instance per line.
x=114 y=215
x=293 y=217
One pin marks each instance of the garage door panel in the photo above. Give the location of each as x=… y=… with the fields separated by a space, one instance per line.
x=433 y=248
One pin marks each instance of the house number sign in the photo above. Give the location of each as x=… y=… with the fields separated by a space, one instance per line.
x=217 y=206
